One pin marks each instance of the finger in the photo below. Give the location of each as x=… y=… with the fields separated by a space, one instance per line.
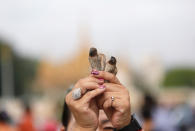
x=110 y=87
x=92 y=94
x=86 y=97
x=88 y=83
x=85 y=86
x=93 y=79
x=107 y=97
x=68 y=99
x=108 y=108
x=107 y=76
x=90 y=78
x=120 y=102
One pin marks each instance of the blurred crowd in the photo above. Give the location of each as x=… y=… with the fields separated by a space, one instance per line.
x=164 y=117
x=153 y=115
x=25 y=123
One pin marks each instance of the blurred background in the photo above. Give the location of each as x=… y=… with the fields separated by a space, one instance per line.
x=44 y=50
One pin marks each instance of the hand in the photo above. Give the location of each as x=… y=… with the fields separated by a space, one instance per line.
x=85 y=110
x=117 y=111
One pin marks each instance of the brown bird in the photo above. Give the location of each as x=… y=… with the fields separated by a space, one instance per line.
x=97 y=61
x=111 y=65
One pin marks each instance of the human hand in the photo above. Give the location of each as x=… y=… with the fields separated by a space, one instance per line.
x=85 y=110
x=117 y=110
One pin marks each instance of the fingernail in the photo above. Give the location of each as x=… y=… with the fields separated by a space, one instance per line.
x=94 y=72
x=102 y=87
x=101 y=79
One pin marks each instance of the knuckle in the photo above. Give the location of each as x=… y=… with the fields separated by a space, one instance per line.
x=67 y=99
x=89 y=94
x=80 y=108
x=102 y=73
x=92 y=78
x=77 y=106
x=85 y=110
x=122 y=110
x=113 y=77
x=80 y=83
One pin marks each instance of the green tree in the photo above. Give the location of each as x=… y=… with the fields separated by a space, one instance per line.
x=180 y=77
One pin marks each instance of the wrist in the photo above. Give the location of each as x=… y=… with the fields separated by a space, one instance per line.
x=132 y=126
x=126 y=123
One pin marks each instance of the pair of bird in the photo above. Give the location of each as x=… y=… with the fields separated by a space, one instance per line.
x=98 y=62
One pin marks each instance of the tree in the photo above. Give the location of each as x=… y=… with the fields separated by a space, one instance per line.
x=180 y=77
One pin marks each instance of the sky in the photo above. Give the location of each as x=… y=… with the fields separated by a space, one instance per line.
x=131 y=28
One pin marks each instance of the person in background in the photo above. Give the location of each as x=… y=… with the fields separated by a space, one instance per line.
x=100 y=106
x=147 y=109
x=26 y=123
x=5 y=122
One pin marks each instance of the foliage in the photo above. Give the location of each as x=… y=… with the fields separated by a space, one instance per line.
x=24 y=69
x=180 y=77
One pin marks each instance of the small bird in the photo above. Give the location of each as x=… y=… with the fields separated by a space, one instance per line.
x=97 y=61
x=111 y=65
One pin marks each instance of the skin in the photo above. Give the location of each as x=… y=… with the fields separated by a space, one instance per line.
x=95 y=109
x=104 y=123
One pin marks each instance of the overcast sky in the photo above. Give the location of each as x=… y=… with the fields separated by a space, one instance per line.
x=136 y=28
